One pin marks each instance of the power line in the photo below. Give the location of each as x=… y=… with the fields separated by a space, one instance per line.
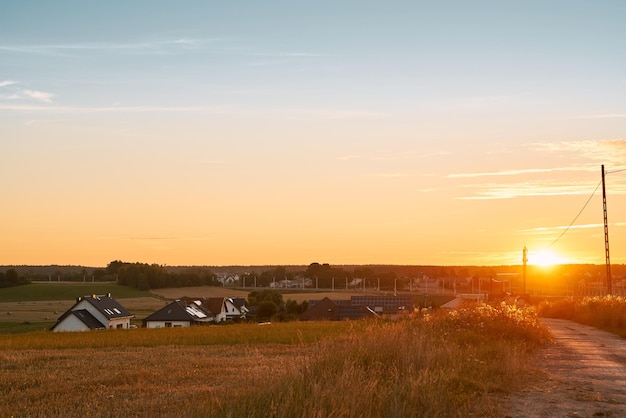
x=579 y=213
x=616 y=171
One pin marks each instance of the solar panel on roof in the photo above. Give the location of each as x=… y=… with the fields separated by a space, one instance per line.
x=195 y=312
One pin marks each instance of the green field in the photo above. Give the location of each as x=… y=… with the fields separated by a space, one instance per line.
x=66 y=291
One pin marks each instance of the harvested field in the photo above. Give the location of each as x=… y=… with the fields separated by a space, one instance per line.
x=45 y=311
x=136 y=381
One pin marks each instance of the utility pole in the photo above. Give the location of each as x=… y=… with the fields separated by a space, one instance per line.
x=606 y=238
x=525 y=261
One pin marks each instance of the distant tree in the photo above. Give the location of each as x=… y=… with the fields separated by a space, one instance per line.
x=295 y=308
x=114 y=267
x=12 y=278
x=266 y=309
x=257 y=296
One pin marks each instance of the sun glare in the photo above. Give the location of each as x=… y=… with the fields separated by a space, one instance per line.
x=545 y=258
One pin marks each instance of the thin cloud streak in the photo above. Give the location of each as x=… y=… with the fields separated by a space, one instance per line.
x=217 y=110
x=551 y=229
x=529 y=189
x=183 y=45
x=39 y=95
x=520 y=171
x=604 y=116
x=611 y=152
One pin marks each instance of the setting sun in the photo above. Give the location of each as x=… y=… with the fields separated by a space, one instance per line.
x=545 y=258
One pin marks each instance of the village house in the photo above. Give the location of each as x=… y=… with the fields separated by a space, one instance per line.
x=180 y=313
x=94 y=312
x=327 y=309
x=186 y=312
x=358 y=307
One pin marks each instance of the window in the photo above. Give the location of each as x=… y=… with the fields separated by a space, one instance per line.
x=120 y=326
x=168 y=325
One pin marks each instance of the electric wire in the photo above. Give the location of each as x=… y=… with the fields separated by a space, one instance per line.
x=577 y=216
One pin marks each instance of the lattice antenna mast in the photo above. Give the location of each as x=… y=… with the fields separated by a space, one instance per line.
x=606 y=238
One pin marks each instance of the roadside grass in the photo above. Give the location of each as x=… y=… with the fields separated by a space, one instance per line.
x=447 y=364
x=604 y=312
x=455 y=364
x=66 y=291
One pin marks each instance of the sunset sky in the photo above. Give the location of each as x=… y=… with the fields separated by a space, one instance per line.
x=283 y=132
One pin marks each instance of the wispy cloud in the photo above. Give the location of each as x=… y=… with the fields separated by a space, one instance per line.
x=296 y=113
x=217 y=45
x=7 y=83
x=390 y=175
x=611 y=152
x=520 y=171
x=39 y=95
x=604 y=116
x=584 y=157
x=155 y=46
x=559 y=228
x=533 y=189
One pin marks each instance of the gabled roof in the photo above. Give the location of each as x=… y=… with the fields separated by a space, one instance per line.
x=240 y=303
x=323 y=309
x=84 y=316
x=108 y=306
x=182 y=310
x=328 y=309
x=356 y=312
x=214 y=305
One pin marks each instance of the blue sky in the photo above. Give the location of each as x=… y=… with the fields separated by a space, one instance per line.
x=383 y=132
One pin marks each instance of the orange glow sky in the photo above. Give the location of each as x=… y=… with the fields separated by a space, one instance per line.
x=342 y=132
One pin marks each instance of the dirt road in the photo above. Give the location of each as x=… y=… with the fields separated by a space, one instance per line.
x=581 y=374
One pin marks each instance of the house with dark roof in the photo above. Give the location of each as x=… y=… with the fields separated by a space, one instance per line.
x=94 y=312
x=224 y=309
x=187 y=311
x=180 y=313
x=327 y=309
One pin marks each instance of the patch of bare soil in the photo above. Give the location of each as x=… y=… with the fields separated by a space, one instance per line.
x=582 y=373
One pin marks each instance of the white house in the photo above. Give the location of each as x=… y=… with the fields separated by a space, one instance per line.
x=94 y=312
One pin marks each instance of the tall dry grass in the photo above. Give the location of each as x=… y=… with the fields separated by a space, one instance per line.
x=604 y=312
x=448 y=364
x=453 y=364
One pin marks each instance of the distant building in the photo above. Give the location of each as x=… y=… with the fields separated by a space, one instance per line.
x=391 y=307
x=186 y=312
x=327 y=309
x=94 y=312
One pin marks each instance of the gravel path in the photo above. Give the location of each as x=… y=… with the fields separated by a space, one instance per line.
x=581 y=374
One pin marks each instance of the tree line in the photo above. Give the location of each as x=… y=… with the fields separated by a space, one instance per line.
x=11 y=278
x=153 y=276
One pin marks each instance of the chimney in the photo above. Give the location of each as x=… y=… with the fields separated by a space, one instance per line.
x=109 y=295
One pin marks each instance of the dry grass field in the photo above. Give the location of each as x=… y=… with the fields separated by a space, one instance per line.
x=167 y=381
x=448 y=364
